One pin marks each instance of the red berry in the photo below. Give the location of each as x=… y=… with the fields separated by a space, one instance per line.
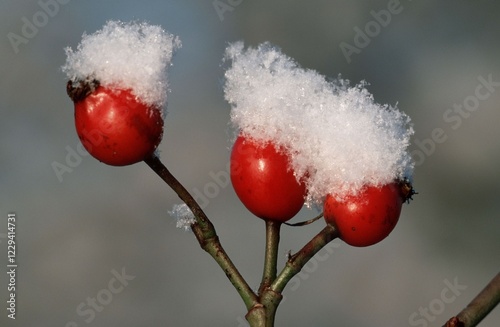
x=115 y=127
x=370 y=216
x=263 y=180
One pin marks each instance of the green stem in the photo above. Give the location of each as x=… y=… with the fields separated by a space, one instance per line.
x=270 y=300
x=205 y=233
x=262 y=308
x=299 y=259
x=271 y=254
x=263 y=314
x=256 y=316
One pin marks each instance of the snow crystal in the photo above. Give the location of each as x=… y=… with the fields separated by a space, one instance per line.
x=338 y=138
x=130 y=55
x=183 y=215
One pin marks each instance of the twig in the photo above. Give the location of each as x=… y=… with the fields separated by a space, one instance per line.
x=205 y=233
x=479 y=307
x=307 y=222
x=271 y=255
x=262 y=307
x=299 y=259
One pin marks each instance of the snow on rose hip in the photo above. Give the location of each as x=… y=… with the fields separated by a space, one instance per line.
x=118 y=83
x=339 y=140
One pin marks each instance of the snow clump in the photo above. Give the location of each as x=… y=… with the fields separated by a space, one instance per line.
x=123 y=55
x=339 y=140
x=183 y=215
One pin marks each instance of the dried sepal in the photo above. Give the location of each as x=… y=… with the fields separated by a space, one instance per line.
x=78 y=91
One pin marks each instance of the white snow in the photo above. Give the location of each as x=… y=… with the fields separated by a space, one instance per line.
x=183 y=215
x=338 y=138
x=133 y=55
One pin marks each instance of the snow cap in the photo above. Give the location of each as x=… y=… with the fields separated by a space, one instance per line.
x=123 y=55
x=338 y=139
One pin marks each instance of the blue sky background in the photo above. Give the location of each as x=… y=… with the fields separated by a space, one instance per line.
x=72 y=233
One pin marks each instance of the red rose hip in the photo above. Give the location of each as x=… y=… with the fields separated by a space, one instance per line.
x=263 y=180
x=115 y=127
x=370 y=216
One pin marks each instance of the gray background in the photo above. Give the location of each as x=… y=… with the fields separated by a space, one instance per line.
x=72 y=233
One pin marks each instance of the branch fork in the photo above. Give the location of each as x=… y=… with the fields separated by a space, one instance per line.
x=261 y=306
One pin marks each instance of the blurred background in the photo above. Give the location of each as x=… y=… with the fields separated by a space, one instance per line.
x=78 y=230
